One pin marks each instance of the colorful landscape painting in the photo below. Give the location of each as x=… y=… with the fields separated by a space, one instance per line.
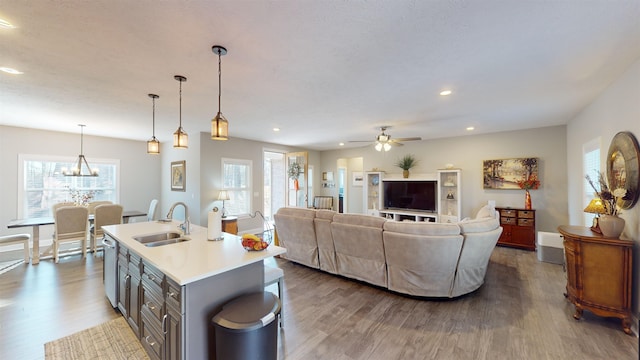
x=503 y=174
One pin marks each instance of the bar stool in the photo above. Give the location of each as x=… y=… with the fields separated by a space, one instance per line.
x=275 y=276
x=17 y=239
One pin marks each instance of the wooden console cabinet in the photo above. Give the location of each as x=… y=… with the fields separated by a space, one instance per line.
x=518 y=228
x=599 y=273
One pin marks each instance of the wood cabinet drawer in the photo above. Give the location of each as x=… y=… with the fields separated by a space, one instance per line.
x=526 y=222
x=151 y=338
x=508 y=220
x=508 y=212
x=152 y=275
x=174 y=296
x=526 y=214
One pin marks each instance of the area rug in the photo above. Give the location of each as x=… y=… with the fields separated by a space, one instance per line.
x=111 y=340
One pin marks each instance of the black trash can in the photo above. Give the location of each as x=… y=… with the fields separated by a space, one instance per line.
x=247 y=328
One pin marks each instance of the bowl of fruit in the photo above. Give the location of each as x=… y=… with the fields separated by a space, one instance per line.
x=251 y=242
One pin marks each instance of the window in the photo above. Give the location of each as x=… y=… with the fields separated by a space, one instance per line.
x=236 y=179
x=41 y=183
x=591 y=167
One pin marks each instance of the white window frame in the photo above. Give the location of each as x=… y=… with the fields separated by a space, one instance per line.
x=71 y=161
x=591 y=166
x=231 y=190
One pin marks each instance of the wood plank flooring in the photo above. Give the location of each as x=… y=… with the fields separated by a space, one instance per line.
x=519 y=313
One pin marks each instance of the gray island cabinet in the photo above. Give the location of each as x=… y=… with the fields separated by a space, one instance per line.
x=168 y=294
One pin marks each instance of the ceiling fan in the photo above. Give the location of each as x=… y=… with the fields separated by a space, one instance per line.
x=384 y=141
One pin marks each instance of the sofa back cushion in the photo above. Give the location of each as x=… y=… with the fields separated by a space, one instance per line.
x=359 y=249
x=296 y=233
x=480 y=238
x=326 y=250
x=422 y=257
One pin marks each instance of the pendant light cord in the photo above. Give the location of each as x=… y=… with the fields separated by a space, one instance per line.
x=180 y=103
x=154 y=116
x=81 y=139
x=219 y=78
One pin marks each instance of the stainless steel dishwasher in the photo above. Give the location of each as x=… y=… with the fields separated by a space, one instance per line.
x=110 y=270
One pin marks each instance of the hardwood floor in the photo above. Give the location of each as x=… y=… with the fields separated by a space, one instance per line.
x=519 y=313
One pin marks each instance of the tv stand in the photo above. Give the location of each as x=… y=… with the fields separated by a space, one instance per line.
x=408 y=215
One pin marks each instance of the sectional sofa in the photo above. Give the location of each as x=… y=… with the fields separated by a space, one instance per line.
x=414 y=258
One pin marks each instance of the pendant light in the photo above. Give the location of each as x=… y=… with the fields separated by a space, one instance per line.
x=219 y=125
x=153 y=145
x=81 y=170
x=180 y=137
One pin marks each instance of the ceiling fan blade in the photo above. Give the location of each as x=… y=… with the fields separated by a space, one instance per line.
x=394 y=142
x=408 y=139
x=360 y=141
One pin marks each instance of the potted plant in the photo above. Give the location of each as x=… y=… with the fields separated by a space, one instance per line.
x=405 y=163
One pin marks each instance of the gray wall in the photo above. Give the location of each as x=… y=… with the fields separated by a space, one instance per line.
x=139 y=172
x=616 y=109
x=211 y=154
x=467 y=152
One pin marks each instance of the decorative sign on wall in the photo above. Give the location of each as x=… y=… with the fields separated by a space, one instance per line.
x=178 y=176
x=504 y=174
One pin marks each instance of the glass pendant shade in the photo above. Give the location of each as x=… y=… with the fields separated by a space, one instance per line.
x=180 y=137
x=153 y=146
x=219 y=128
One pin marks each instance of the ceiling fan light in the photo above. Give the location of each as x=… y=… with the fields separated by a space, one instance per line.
x=378 y=146
x=219 y=127
x=386 y=147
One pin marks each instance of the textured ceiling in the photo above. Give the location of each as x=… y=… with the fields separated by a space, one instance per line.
x=322 y=71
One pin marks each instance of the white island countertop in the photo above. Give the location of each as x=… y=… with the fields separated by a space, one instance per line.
x=189 y=261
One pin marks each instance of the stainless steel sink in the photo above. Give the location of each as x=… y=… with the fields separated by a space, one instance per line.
x=159 y=239
x=166 y=242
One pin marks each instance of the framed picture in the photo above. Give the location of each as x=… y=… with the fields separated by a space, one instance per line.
x=358 y=178
x=504 y=174
x=178 y=175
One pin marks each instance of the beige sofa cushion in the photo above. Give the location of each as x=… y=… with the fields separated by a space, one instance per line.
x=359 y=249
x=480 y=238
x=326 y=250
x=422 y=257
x=296 y=233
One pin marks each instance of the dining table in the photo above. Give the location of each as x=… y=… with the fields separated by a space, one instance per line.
x=35 y=224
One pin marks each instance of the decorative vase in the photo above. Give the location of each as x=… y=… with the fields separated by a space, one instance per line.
x=405 y=174
x=611 y=226
x=527 y=200
x=296 y=187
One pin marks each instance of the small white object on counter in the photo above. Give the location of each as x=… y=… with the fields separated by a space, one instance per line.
x=192 y=260
x=214 y=224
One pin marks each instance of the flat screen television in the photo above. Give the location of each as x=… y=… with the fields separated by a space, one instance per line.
x=410 y=195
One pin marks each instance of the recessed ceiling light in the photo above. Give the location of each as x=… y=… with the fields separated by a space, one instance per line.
x=276 y=129
x=445 y=92
x=341 y=144
x=469 y=128
x=11 y=71
x=4 y=24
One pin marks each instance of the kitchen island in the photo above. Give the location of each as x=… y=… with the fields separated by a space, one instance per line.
x=169 y=293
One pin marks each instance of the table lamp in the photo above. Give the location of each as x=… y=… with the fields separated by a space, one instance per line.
x=595 y=207
x=223 y=195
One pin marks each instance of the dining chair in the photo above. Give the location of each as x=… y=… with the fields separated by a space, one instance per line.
x=92 y=205
x=57 y=206
x=105 y=214
x=153 y=207
x=70 y=225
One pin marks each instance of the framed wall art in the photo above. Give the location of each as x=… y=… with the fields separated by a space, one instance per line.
x=358 y=178
x=178 y=176
x=504 y=174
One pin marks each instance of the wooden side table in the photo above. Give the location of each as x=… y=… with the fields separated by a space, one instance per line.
x=599 y=273
x=230 y=225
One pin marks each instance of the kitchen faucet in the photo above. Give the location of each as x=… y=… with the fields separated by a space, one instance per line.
x=185 y=225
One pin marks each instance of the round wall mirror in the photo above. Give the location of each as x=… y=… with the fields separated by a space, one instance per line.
x=623 y=164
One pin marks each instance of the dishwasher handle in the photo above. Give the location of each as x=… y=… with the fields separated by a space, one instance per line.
x=108 y=243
